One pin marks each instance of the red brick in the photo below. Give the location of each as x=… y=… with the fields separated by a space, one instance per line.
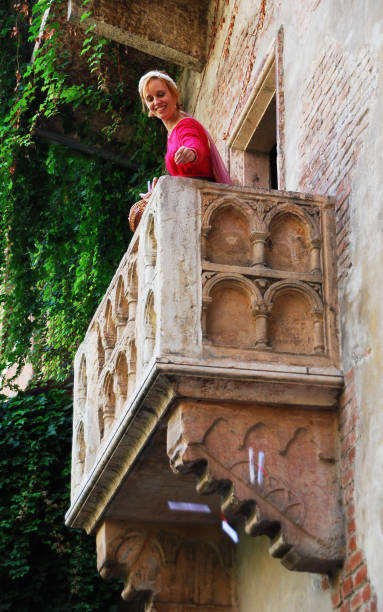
x=360 y=576
x=348 y=394
x=353 y=562
x=350 y=511
x=348 y=442
x=351 y=526
x=336 y=598
x=348 y=494
x=366 y=593
x=345 y=607
x=347 y=478
x=351 y=544
x=356 y=602
x=347 y=587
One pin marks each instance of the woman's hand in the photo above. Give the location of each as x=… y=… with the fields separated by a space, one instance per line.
x=184 y=155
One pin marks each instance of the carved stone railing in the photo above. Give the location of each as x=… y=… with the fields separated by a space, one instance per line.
x=221 y=325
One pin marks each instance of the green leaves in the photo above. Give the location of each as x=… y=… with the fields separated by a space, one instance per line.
x=42 y=563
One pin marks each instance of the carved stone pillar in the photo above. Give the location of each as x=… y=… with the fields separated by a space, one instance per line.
x=319 y=346
x=261 y=313
x=315 y=264
x=132 y=302
x=258 y=241
x=204 y=235
x=206 y=301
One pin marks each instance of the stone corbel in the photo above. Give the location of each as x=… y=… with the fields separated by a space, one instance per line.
x=297 y=500
x=167 y=567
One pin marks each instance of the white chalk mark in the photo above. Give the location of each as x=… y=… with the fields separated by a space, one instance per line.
x=230 y=531
x=261 y=462
x=188 y=507
x=251 y=465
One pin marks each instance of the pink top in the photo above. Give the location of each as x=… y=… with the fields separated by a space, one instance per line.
x=189 y=133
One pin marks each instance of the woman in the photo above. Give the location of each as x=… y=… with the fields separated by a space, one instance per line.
x=190 y=151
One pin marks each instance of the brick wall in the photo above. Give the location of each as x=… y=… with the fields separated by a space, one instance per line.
x=334 y=118
x=351 y=589
x=335 y=114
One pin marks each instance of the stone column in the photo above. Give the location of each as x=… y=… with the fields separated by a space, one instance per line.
x=258 y=241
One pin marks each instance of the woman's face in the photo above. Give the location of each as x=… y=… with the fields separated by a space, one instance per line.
x=160 y=100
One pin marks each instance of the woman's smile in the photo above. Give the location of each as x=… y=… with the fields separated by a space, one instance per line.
x=161 y=102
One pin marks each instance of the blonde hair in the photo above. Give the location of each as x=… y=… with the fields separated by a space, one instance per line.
x=157 y=74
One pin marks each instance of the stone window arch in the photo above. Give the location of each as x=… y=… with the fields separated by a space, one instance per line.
x=229 y=305
x=100 y=351
x=132 y=366
x=80 y=455
x=110 y=333
x=150 y=253
x=227 y=234
x=296 y=318
x=121 y=378
x=82 y=389
x=150 y=323
x=121 y=303
x=132 y=289
x=109 y=403
x=294 y=240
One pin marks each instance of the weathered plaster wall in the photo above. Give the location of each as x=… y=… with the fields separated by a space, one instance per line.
x=265 y=586
x=333 y=53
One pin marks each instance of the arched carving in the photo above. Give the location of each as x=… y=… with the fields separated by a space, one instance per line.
x=296 y=503
x=165 y=568
x=109 y=328
x=150 y=327
x=80 y=455
x=121 y=378
x=100 y=351
x=296 y=318
x=132 y=289
x=227 y=232
x=109 y=406
x=121 y=303
x=132 y=366
x=288 y=247
x=229 y=302
x=150 y=243
x=82 y=389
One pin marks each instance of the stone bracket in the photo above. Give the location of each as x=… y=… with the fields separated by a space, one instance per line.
x=168 y=567
x=298 y=503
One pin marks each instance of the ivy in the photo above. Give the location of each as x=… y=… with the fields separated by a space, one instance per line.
x=42 y=563
x=63 y=215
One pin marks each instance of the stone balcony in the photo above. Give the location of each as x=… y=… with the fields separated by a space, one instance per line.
x=217 y=333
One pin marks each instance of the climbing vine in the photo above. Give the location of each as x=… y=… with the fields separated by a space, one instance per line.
x=43 y=564
x=63 y=215
x=63 y=230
